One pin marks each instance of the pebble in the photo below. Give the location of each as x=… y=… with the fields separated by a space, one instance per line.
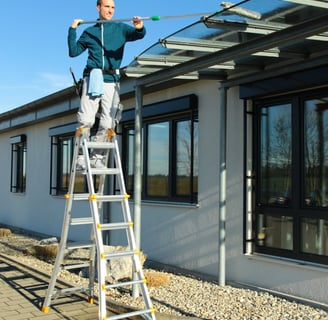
x=185 y=295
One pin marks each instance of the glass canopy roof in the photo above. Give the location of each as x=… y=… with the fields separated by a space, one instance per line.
x=235 y=26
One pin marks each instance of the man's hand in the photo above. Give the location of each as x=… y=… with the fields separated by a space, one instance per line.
x=138 y=23
x=76 y=23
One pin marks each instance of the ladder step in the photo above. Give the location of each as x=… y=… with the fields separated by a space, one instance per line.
x=112 y=198
x=119 y=254
x=67 y=291
x=103 y=198
x=105 y=171
x=79 y=245
x=79 y=221
x=100 y=145
x=124 y=284
x=132 y=314
x=76 y=266
x=116 y=225
x=80 y=196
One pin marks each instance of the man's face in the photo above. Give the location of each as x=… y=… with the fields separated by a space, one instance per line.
x=106 y=9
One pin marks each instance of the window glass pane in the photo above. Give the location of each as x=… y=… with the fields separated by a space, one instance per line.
x=315 y=236
x=183 y=158
x=276 y=155
x=195 y=159
x=316 y=152
x=130 y=162
x=66 y=161
x=21 y=167
x=158 y=159
x=186 y=158
x=275 y=231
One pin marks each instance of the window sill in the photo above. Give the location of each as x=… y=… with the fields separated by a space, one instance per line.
x=153 y=203
x=169 y=204
x=311 y=266
x=19 y=194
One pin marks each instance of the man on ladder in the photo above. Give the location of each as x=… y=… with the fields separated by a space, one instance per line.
x=105 y=44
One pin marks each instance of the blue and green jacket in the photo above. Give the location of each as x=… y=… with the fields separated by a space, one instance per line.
x=105 y=48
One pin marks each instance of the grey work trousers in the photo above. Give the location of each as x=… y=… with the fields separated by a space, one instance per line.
x=108 y=103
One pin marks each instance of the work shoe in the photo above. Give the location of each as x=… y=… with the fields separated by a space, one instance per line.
x=97 y=161
x=80 y=163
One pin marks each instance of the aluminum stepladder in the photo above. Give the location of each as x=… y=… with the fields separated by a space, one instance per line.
x=98 y=257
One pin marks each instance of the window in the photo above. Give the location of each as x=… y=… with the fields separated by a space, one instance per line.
x=62 y=152
x=169 y=151
x=18 y=164
x=291 y=177
x=62 y=148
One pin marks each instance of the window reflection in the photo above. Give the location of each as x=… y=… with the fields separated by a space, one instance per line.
x=187 y=157
x=158 y=159
x=65 y=154
x=316 y=152
x=129 y=166
x=275 y=231
x=315 y=236
x=276 y=155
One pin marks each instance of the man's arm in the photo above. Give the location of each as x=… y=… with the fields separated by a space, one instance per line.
x=75 y=48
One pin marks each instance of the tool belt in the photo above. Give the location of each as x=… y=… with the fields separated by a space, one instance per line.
x=86 y=71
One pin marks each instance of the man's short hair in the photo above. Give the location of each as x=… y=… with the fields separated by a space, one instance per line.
x=99 y=2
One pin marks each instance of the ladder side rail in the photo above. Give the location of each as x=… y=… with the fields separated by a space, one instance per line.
x=121 y=182
x=137 y=267
x=65 y=227
x=90 y=185
x=125 y=202
x=101 y=262
x=119 y=166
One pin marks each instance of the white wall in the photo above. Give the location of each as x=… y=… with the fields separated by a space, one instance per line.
x=184 y=236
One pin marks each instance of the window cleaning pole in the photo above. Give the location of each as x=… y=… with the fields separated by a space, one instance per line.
x=137 y=174
x=222 y=187
x=227 y=7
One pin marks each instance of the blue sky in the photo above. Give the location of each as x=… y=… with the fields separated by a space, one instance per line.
x=34 y=58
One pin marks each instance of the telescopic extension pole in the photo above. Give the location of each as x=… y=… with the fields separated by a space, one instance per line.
x=227 y=8
x=152 y=18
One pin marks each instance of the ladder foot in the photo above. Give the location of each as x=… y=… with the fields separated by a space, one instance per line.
x=91 y=300
x=45 y=309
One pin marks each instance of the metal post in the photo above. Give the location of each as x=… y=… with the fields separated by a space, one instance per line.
x=137 y=173
x=222 y=186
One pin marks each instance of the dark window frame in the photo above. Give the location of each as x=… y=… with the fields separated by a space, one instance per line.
x=59 y=178
x=172 y=112
x=298 y=211
x=18 y=164
x=57 y=174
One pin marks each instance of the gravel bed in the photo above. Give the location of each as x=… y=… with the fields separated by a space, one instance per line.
x=183 y=295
